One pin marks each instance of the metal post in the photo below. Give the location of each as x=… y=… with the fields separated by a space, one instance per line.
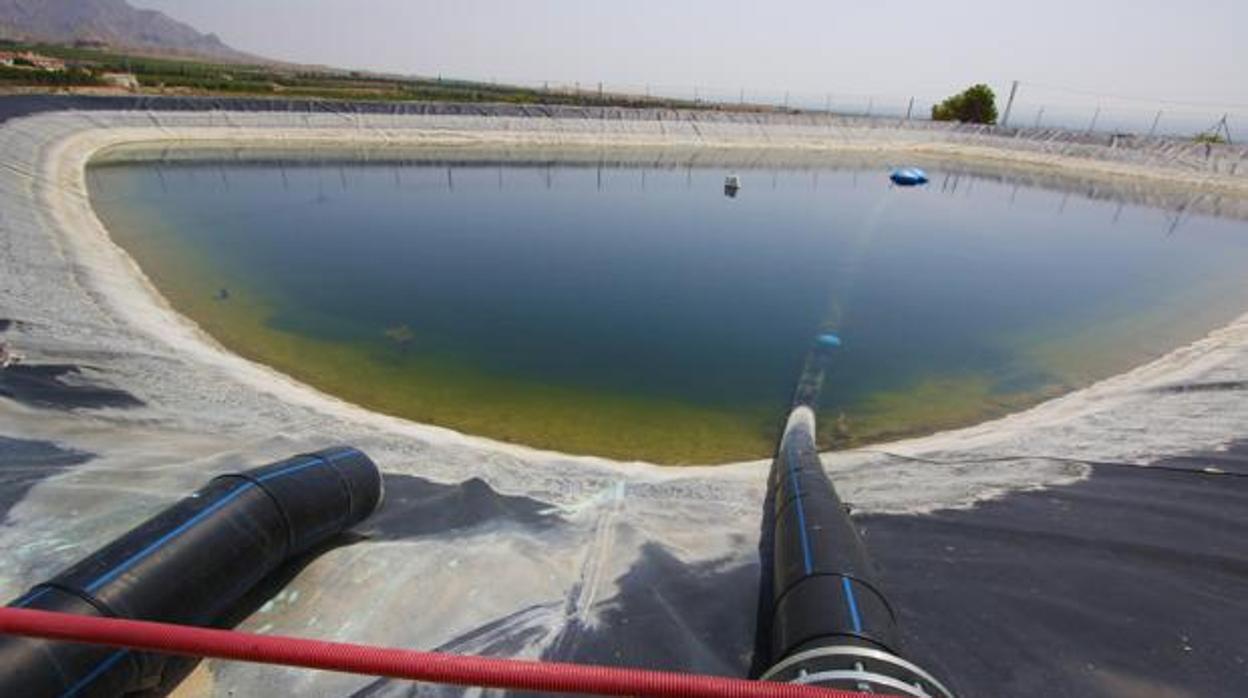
x=1153 y=130
x=1039 y=115
x=910 y=109
x=1009 y=104
x=1095 y=116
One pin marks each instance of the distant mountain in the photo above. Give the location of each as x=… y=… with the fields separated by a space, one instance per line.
x=112 y=22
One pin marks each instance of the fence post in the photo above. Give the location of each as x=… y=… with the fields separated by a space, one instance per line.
x=1005 y=120
x=1153 y=130
x=1095 y=116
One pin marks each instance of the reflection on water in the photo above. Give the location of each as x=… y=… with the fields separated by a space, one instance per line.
x=637 y=311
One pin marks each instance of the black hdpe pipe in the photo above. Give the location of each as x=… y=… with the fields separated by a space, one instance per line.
x=189 y=564
x=823 y=618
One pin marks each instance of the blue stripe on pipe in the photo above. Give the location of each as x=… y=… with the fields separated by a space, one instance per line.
x=850 y=600
x=112 y=659
x=801 y=512
x=316 y=460
x=191 y=522
x=154 y=545
x=852 y=603
x=30 y=597
x=95 y=673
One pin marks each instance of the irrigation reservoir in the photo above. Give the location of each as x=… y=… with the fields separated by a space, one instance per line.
x=629 y=310
x=613 y=273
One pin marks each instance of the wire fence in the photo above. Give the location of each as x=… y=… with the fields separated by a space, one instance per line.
x=1034 y=105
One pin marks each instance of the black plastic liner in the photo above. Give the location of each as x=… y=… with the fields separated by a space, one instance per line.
x=189 y=564
x=25 y=463
x=60 y=386
x=1089 y=590
x=1131 y=584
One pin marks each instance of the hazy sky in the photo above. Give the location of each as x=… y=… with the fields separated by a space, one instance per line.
x=1183 y=51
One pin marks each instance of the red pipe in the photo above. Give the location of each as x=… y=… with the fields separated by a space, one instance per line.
x=547 y=677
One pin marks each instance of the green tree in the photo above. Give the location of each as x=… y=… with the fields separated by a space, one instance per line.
x=977 y=105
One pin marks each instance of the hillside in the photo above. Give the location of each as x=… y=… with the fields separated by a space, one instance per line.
x=112 y=22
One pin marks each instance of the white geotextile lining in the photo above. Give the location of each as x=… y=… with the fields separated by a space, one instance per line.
x=81 y=300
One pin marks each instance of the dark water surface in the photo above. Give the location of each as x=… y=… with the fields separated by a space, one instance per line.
x=641 y=313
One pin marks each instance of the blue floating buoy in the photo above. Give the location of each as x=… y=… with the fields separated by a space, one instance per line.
x=908 y=177
x=827 y=340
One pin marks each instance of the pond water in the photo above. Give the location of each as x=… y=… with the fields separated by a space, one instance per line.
x=638 y=312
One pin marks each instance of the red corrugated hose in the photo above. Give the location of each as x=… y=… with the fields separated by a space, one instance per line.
x=435 y=667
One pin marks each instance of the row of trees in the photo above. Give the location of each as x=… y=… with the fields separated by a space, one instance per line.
x=58 y=78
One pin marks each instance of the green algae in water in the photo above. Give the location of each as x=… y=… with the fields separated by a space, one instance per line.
x=640 y=314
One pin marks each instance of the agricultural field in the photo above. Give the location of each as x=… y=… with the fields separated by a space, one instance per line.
x=84 y=67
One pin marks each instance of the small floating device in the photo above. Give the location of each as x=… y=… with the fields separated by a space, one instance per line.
x=732 y=184
x=827 y=340
x=908 y=177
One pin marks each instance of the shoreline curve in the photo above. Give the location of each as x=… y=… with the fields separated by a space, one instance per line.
x=114 y=280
